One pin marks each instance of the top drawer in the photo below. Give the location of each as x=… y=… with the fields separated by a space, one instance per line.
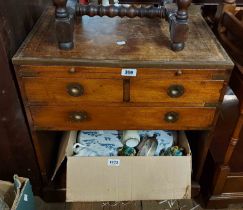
x=190 y=91
x=72 y=90
x=115 y=73
x=70 y=85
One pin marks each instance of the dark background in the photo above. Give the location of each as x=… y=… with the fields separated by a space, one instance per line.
x=17 y=17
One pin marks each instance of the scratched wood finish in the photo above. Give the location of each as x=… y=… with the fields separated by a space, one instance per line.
x=96 y=44
x=55 y=91
x=94 y=72
x=121 y=118
x=194 y=91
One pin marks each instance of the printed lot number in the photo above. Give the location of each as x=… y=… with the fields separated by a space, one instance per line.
x=129 y=72
x=113 y=162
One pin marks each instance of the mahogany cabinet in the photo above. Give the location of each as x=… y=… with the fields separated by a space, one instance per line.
x=85 y=87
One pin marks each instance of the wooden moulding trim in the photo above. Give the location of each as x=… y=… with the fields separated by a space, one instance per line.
x=229 y=196
x=122 y=63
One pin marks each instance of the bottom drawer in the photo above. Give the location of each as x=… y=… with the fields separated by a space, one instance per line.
x=125 y=178
x=121 y=118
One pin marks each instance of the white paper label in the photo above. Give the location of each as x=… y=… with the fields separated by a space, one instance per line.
x=129 y=72
x=120 y=43
x=113 y=162
x=25 y=197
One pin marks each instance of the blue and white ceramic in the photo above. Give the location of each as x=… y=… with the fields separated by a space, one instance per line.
x=102 y=142
x=81 y=150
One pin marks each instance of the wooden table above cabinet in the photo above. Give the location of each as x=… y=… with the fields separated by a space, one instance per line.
x=83 y=88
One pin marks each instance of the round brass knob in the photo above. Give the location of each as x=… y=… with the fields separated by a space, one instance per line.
x=175 y=91
x=78 y=116
x=171 y=117
x=72 y=70
x=178 y=73
x=75 y=89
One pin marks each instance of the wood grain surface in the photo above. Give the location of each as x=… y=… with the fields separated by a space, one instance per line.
x=194 y=91
x=55 y=91
x=94 y=72
x=120 y=118
x=146 y=44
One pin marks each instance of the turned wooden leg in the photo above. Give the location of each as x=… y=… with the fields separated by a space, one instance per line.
x=64 y=25
x=179 y=25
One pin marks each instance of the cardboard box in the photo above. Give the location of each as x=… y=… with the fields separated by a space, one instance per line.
x=125 y=178
x=17 y=195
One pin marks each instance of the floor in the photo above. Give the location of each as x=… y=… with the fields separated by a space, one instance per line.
x=144 y=205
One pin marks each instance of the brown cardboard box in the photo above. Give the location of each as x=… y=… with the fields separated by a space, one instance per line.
x=17 y=195
x=125 y=178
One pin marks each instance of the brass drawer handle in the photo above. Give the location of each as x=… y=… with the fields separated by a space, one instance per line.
x=78 y=116
x=171 y=117
x=175 y=91
x=75 y=89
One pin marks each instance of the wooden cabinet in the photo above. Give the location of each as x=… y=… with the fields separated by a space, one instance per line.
x=83 y=88
x=225 y=164
x=222 y=176
x=121 y=117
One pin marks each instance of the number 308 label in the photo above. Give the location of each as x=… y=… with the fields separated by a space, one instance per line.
x=113 y=162
x=129 y=72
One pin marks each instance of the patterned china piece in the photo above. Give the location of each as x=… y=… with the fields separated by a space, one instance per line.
x=102 y=142
x=81 y=150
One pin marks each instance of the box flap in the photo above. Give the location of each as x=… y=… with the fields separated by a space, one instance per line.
x=24 y=197
x=65 y=149
x=7 y=193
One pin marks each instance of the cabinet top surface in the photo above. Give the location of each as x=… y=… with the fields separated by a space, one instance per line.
x=146 y=41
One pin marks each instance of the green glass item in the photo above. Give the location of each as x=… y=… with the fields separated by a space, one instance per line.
x=126 y=151
x=173 y=151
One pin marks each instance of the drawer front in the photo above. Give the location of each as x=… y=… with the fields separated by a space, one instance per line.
x=175 y=91
x=66 y=90
x=108 y=72
x=121 y=118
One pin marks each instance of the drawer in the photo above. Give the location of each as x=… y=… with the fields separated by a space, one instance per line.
x=67 y=90
x=121 y=118
x=190 y=91
x=97 y=179
x=109 y=72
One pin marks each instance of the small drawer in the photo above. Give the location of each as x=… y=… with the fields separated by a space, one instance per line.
x=121 y=118
x=92 y=72
x=191 y=91
x=131 y=178
x=72 y=90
